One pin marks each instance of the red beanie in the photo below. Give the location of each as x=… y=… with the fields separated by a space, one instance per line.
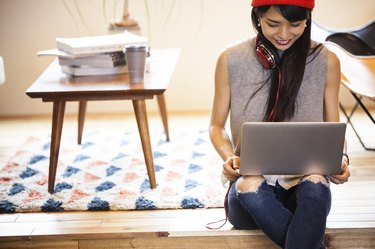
x=309 y=4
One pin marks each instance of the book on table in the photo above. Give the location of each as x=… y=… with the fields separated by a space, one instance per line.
x=85 y=70
x=94 y=55
x=93 y=71
x=112 y=59
x=99 y=44
x=59 y=53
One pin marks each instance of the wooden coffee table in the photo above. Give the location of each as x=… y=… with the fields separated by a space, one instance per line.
x=59 y=88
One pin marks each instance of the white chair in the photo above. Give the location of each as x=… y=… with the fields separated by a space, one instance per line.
x=358 y=75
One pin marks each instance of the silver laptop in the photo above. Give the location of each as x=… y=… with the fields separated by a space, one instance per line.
x=292 y=148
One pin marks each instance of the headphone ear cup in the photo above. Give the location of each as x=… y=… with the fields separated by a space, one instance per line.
x=266 y=56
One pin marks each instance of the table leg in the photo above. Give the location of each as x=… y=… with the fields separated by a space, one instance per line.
x=81 y=119
x=57 y=125
x=163 y=113
x=139 y=106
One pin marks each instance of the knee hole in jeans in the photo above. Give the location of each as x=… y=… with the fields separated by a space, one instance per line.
x=316 y=179
x=247 y=184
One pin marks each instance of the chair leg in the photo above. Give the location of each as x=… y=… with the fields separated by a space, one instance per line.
x=353 y=110
x=364 y=107
x=348 y=119
x=344 y=112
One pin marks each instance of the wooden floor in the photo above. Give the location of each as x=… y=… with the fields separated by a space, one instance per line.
x=351 y=223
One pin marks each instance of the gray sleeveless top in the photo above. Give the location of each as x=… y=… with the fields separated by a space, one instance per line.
x=246 y=75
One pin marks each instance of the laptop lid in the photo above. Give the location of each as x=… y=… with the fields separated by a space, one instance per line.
x=292 y=148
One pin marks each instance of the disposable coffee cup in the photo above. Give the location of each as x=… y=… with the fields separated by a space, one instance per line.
x=135 y=57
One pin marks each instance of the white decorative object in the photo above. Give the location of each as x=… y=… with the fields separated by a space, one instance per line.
x=127 y=22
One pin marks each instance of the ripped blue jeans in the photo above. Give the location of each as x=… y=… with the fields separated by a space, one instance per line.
x=293 y=218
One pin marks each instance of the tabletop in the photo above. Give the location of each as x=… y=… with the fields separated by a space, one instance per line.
x=53 y=84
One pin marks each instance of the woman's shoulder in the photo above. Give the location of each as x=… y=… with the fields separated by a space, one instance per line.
x=318 y=54
x=331 y=57
x=333 y=61
x=317 y=48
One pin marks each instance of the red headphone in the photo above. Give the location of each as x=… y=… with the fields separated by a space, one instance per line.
x=269 y=60
x=267 y=56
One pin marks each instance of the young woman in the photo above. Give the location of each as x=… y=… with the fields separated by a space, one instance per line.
x=278 y=76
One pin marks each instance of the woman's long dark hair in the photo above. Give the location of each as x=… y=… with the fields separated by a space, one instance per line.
x=292 y=63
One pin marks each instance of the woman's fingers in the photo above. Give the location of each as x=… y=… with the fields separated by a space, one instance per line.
x=229 y=168
x=342 y=177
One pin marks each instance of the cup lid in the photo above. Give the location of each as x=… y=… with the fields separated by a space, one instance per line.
x=135 y=47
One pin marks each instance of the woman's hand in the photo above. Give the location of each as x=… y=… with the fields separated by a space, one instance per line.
x=229 y=168
x=344 y=174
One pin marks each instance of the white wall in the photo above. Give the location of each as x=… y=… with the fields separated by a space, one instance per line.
x=200 y=27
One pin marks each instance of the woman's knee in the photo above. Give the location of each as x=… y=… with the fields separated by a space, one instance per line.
x=247 y=184
x=237 y=214
x=315 y=187
x=316 y=179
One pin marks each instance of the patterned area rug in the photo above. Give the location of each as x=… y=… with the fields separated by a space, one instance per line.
x=107 y=172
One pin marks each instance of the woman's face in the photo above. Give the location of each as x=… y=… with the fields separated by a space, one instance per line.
x=279 y=31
